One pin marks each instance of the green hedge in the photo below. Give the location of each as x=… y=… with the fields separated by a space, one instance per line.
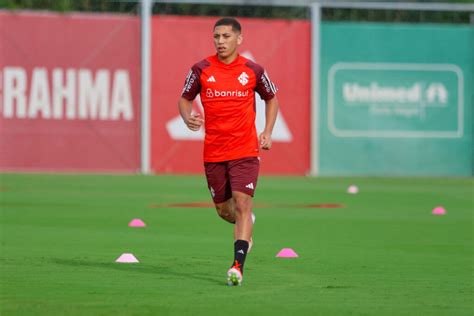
x=131 y=7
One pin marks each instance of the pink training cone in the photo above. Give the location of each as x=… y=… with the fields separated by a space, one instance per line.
x=127 y=258
x=136 y=222
x=353 y=189
x=287 y=253
x=439 y=210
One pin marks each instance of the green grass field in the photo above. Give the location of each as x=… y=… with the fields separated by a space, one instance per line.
x=382 y=253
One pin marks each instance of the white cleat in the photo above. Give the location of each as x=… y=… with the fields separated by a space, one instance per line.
x=234 y=277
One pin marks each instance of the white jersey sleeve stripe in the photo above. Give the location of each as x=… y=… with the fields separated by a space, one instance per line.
x=272 y=85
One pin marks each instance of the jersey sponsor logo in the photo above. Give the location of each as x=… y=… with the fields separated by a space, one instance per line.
x=243 y=78
x=211 y=79
x=210 y=93
x=190 y=79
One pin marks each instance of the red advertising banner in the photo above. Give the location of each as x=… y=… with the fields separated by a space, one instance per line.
x=282 y=47
x=69 y=92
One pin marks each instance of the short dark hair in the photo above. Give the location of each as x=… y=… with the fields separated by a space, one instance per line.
x=231 y=22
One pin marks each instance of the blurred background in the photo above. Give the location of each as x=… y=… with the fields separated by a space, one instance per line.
x=366 y=88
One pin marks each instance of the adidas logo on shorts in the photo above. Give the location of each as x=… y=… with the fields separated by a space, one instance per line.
x=250 y=186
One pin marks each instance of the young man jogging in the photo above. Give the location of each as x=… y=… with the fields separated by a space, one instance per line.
x=226 y=83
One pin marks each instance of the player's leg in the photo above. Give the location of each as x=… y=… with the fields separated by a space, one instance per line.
x=242 y=236
x=243 y=216
x=243 y=174
x=219 y=187
x=226 y=210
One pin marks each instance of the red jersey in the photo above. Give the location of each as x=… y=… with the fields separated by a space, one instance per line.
x=227 y=94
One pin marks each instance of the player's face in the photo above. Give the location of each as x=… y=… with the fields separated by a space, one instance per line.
x=226 y=41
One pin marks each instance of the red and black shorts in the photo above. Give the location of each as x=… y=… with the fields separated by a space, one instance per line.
x=234 y=175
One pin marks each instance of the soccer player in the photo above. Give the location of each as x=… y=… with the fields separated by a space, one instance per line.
x=226 y=83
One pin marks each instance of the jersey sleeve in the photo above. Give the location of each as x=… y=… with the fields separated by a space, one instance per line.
x=192 y=84
x=264 y=86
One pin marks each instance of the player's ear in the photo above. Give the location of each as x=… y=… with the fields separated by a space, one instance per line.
x=240 y=39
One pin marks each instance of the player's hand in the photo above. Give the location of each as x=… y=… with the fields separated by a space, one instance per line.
x=265 y=140
x=194 y=122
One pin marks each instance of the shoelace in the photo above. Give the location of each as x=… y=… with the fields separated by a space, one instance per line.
x=236 y=265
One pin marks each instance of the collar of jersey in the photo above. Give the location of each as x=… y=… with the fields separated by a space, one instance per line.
x=235 y=62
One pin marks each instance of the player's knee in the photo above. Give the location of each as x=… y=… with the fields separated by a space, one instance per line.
x=243 y=204
x=225 y=213
x=222 y=212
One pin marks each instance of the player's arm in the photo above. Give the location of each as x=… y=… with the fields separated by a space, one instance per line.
x=191 y=89
x=192 y=121
x=271 y=112
x=267 y=90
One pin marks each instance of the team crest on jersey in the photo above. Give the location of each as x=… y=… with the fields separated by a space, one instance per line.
x=243 y=78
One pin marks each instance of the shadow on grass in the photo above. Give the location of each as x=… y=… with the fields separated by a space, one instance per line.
x=141 y=268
